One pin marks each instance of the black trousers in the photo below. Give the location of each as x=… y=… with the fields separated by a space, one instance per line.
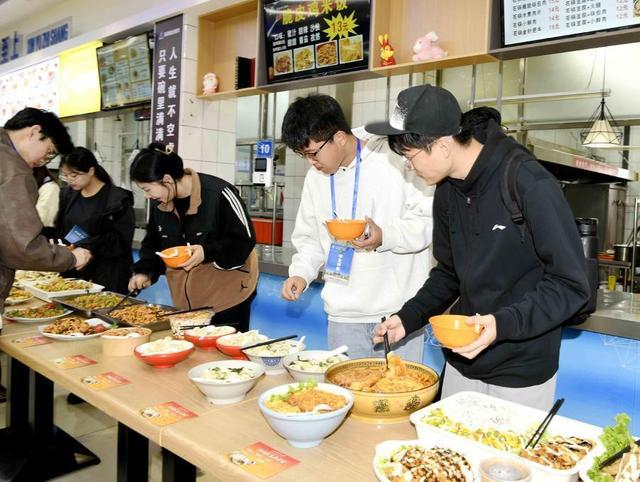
x=239 y=314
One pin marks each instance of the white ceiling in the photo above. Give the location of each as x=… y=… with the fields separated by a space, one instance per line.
x=13 y=11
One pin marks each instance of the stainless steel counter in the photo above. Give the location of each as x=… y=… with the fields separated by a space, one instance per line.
x=618 y=314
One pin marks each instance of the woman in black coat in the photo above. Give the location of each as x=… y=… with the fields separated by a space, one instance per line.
x=96 y=215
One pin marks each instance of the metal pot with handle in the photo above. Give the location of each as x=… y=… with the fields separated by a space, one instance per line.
x=624 y=252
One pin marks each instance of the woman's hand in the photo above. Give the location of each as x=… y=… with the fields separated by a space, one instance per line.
x=83 y=257
x=293 y=288
x=139 y=281
x=487 y=336
x=393 y=326
x=197 y=257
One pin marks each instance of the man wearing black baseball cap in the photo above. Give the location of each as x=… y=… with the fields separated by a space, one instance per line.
x=518 y=282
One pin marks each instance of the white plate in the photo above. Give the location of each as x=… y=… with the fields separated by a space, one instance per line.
x=91 y=321
x=38 y=320
x=47 y=295
x=13 y=301
x=384 y=449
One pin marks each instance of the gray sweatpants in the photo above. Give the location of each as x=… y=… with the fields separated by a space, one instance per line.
x=537 y=396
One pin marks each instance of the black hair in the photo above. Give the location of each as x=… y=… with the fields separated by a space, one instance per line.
x=153 y=162
x=474 y=125
x=43 y=175
x=52 y=127
x=81 y=160
x=315 y=117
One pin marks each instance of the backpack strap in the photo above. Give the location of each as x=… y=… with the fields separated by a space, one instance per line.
x=509 y=189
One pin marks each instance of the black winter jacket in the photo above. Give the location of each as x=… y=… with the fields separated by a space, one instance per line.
x=531 y=285
x=110 y=238
x=217 y=219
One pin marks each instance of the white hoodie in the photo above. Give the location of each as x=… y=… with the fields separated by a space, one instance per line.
x=382 y=280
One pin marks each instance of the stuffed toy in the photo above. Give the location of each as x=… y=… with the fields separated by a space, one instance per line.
x=386 y=51
x=426 y=48
x=209 y=83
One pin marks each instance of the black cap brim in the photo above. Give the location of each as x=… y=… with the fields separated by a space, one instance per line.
x=383 y=129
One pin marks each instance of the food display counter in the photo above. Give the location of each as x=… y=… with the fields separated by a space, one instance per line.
x=617 y=314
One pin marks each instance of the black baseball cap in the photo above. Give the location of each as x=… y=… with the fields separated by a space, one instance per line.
x=425 y=110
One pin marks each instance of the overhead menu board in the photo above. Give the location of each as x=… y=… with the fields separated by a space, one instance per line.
x=125 y=72
x=79 y=76
x=535 y=20
x=308 y=38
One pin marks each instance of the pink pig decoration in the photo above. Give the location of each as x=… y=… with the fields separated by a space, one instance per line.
x=427 y=48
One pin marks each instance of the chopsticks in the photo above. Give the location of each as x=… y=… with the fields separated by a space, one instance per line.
x=545 y=423
x=387 y=345
x=268 y=342
x=129 y=294
x=191 y=327
x=617 y=455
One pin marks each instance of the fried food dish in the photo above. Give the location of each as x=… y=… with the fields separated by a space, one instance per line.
x=44 y=311
x=63 y=285
x=327 y=54
x=303 y=399
x=139 y=314
x=415 y=463
x=18 y=295
x=559 y=452
x=283 y=64
x=95 y=301
x=381 y=380
x=304 y=59
x=69 y=325
x=351 y=49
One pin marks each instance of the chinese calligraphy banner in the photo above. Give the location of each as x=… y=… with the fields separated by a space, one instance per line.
x=310 y=38
x=530 y=21
x=165 y=103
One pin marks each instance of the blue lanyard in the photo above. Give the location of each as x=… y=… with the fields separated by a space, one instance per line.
x=355 y=187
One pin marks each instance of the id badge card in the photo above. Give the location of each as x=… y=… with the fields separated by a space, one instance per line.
x=338 y=265
x=75 y=235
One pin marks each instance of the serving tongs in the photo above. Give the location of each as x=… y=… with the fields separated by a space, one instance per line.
x=268 y=342
x=387 y=345
x=129 y=295
x=543 y=426
x=617 y=455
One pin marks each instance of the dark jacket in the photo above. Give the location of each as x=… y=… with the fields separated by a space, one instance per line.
x=531 y=285
x=216 y=219
x=21 y=245
x=110 y=237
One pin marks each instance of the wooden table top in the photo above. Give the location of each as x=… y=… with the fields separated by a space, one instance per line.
x=207 y=440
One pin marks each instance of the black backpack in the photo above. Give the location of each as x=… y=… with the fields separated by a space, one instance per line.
x=511 y=199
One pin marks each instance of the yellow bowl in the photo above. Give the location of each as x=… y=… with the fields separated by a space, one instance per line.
x=452 y=330
x=346 y=229
x=178 y=255
x=379 y=408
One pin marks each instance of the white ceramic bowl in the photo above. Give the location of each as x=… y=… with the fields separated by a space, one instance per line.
x=272 y=364
x=304 y=375
x=306 y=430
x=220 y=392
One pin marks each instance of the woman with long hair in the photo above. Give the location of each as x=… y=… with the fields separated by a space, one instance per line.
x=96 y=215
x=207 y=213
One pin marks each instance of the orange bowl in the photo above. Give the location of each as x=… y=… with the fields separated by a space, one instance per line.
x=179 y=255
x=346 y=229
x=207 y=342
x=452 y=330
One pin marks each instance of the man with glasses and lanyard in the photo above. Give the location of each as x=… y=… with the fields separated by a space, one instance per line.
x=356 y=176
x=31 y=138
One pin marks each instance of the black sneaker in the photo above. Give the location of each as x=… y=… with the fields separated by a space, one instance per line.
x=73 y=399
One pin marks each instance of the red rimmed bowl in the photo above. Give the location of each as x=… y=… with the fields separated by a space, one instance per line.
x=204 y=338
x=164 y=360
x=234 y=351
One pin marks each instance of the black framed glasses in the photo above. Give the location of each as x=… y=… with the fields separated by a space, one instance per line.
x=314 y=154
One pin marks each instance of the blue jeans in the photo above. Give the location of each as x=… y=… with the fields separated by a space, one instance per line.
x=358 y=337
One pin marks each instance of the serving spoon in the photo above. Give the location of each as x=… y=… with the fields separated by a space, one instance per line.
x=338 y=351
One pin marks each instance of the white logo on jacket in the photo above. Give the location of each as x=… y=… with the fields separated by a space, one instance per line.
x=498 y=226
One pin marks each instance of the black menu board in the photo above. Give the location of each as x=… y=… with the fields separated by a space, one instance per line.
x=309 y=38
x=527 y=21
x=125 y=72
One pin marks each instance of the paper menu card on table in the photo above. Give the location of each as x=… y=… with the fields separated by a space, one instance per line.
x=28 y=341
x=104 y=381
x=261 y=460
x=74 y=361
x=166 y=413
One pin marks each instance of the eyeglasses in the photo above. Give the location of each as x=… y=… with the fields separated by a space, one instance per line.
x=408 y=161
x=50 y=155
x=314 y=154
x=71 y=176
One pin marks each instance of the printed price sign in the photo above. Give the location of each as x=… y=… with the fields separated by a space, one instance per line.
x=261 y=460
x=166 y=413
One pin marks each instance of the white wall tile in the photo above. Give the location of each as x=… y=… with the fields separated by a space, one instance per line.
x=189 y=73
x=227 y=172
x=210 y=145
x=210 y=113
x=226 y=149
x=191 y=164
x=358 y=87
x=356 y=115
x=380 y=89
x=190 y=42
x=190 y=143
x=191 y=109
x=210 y=168
x=227 y=116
